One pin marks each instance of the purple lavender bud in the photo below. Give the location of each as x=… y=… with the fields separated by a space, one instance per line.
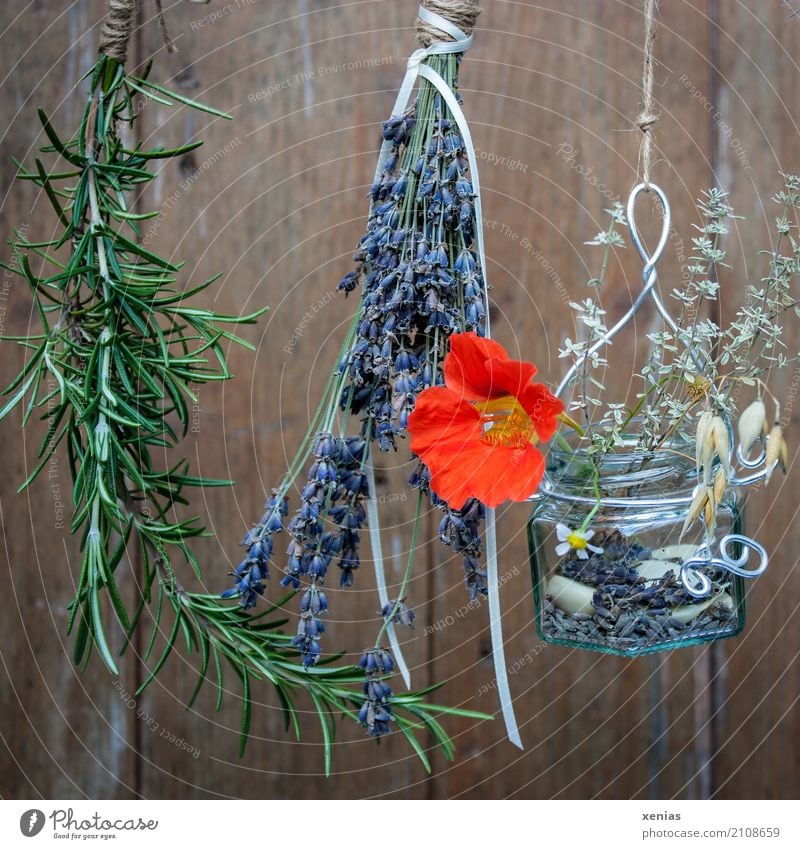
x=349 y=282
x=319 y=566
x=465 y=262
x=368 y=661
x=399 y=612
x=290 y=580
x=472 y=290
x=400 y=187
x=463 y=188
x=385 y=662
x=404 y=384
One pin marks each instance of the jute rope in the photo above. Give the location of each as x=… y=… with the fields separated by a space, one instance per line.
x=462 y=13
x=117 y=28
x=648 y=116
x=162 y=25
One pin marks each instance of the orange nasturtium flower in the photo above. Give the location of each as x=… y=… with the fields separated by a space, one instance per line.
x=477 y=433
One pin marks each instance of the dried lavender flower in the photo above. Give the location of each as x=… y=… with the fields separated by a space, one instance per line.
x=399 y=612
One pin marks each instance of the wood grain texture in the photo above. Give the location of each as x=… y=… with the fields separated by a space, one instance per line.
x=759 y=96
x=276 y=201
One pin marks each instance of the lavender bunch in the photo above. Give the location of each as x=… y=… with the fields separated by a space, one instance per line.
x=416 y=266
x=420 y=281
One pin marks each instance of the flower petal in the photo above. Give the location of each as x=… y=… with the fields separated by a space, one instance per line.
x=508 y=377
x=562 y=548
x=582 y=555
x=512 y=474
x=465 y=371
x=491 y=473
x=562 y=531
x=439 y=418
x=543 y=408
x=595 y=548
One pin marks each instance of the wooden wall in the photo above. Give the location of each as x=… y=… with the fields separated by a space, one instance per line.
x=276 y=201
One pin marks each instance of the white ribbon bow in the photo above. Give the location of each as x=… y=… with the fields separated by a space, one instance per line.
x=416 y=67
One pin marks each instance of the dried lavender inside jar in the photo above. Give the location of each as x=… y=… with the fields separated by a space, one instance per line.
x=615 y=586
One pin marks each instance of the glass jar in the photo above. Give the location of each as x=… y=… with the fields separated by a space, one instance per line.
x=627 y=598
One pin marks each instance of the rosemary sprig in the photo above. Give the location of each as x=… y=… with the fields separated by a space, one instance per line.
x=255 y=648
x=119 y=350
x=112 y=372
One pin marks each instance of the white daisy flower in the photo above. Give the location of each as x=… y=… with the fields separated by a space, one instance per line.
x=577 y=540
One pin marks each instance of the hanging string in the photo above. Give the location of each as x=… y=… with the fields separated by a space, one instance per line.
x=162 y=26
x=648 y=116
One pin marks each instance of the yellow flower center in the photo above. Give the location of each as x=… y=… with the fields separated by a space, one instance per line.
x=506 y=423
x=576 y=541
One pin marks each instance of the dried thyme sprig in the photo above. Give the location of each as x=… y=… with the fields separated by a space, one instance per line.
x=591 y=316
x=697 y=370
x=752 y=343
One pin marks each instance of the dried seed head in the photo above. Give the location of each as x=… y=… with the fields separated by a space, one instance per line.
x=722 y=443
x=704 y=442
x=697 y=388
x=720 y=485
x=752 y=425
x=777 y=451
x=702 y=495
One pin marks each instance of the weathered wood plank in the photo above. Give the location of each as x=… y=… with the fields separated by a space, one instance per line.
x=759 y=99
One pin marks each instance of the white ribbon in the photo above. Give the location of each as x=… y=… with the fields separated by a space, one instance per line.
x=496 y=631
x=380 y=572
x=416 y=68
